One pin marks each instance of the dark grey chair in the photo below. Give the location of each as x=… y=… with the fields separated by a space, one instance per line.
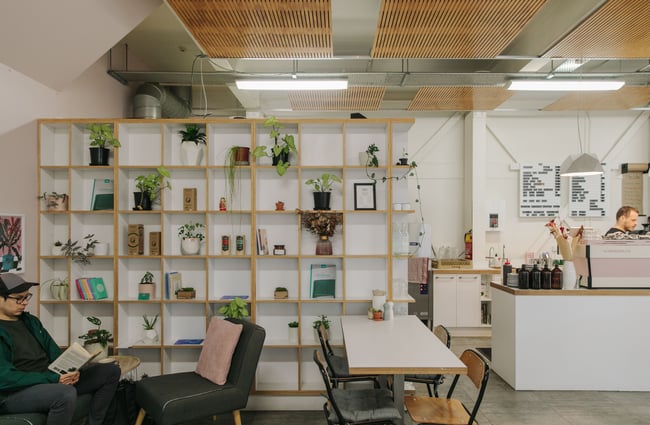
x=346 y=406
x=337 y=366
x=436 y=380
x=81 y=411
x=186 y=396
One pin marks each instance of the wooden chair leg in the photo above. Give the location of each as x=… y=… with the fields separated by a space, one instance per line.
x=140 y=418
x=236 y=417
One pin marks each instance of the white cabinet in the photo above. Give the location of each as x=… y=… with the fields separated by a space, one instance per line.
x=457 y=300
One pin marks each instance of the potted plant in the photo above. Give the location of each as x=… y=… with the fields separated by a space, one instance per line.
x=55 y=201
x=323 y=190
x=280 y=293
x=149 y=187
x=58 y=287
x=186 y=293
x=236 y=309
x=368 y=158
x=192 y=144
x=56 y=248
x=150 y=333
x=293 y=332
x=97 y=339
x=146 y=287
x=191 y=235
x=101 y=137
x=235 y=155
x=321 y=320
x=79 y=252
x=323 y=225
x=281 y=148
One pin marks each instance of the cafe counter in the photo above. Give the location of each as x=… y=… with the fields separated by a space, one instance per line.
x=583 y=339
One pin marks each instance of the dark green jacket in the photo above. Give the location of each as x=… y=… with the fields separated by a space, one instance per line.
x=12 y=379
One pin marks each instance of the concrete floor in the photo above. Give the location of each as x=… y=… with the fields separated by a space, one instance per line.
x=502 y=405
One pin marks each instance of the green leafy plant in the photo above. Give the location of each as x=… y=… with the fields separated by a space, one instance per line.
x=321 y=320
x=284 y=146
x=52 y=199
x=281 y=289
x=147 y=278
x=192 y=133
x=323 y=183
x=98 y=335
x=151 y=184
x=373 y=161
x=149 y=323
x=236 y=309
x=293 y=324
x=101 y=136
x=79 y=251
x=191 y=230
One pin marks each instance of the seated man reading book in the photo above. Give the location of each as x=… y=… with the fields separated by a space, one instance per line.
x=26 y=351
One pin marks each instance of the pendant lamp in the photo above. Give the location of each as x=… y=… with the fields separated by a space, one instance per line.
x=584 y=164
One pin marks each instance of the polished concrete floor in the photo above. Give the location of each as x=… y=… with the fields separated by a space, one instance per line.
x=502 y=405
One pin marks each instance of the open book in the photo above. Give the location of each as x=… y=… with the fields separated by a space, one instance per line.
x=72 y=359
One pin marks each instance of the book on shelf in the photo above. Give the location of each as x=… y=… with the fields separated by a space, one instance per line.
x=189 y=341
x=91 y=288
x=72 y=359
x=322 y=281
x=102 y=195
x=262 y=242
x=232 y=297
x=173 y=282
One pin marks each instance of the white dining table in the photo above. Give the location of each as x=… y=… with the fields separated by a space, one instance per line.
x=396 y=347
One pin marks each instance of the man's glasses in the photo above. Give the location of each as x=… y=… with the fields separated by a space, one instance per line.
x=22 y=300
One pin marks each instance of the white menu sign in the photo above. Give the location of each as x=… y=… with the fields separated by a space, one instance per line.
x=587 y=196
x=539 y=190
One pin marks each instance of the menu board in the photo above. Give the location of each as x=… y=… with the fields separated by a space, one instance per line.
x=539 y=190
x=588 y=196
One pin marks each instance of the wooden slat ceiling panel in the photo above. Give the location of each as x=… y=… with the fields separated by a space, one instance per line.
x=259 y=29
x=625 y=98
x=352 y=99
x=450 y=28
x=619 y=29
x=457 y=98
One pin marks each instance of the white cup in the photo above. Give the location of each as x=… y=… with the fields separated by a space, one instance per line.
x=101 y=248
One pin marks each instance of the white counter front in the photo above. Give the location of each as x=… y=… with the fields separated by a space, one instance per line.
x=571 y=340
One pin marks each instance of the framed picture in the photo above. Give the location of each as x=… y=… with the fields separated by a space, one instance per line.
x=364 y=196
x=12 y=242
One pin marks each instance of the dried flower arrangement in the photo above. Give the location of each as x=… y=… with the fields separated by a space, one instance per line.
x=321 y=223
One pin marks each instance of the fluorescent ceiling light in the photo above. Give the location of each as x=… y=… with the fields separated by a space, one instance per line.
x=565 y=85
x=294 y=84
x=584 y=164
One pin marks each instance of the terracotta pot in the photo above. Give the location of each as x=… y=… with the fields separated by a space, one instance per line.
x=147 y=288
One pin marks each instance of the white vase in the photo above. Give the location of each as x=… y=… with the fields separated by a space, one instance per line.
x=150 y=336
x=95 y=347
x=293 y=335
x=569 y=275
x=191 y=153
x=364 y=158
x=101 y=248
x=56 y=250
x=190 y=246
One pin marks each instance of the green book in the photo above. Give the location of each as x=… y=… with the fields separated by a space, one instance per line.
x=98 y=288
x=102 y=195
x=322 y=278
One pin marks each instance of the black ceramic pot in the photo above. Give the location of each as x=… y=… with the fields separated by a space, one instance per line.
x=322 y=200
x=99 y=156
x=142 y=201
x=284 y=156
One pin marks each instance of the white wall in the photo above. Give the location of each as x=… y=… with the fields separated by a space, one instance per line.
x=93 y=94
x=437 y=146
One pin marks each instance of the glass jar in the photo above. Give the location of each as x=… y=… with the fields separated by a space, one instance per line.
x=324 y=245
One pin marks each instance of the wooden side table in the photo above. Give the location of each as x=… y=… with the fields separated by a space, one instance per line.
x=127 y=364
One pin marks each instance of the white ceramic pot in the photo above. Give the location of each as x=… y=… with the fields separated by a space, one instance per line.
x=190 y=246
x=59 y=292
x=192 y=153
x=101 y=248
x=293 y=335
x=364 y=158
x=150 y=336
x=56 y=250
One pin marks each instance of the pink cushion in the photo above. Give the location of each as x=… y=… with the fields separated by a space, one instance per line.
x=218 y=348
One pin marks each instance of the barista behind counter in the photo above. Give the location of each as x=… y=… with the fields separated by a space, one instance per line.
x=626 y=220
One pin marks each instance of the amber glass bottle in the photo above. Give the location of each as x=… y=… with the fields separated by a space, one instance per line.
x=524 y=276
x=556 y=278
x=546 y=277
x=536 y=278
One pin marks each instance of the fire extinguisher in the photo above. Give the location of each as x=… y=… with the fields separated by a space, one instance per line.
x=468 y=245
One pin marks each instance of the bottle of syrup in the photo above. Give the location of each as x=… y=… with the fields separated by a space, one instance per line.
x=556 y=278
x=535 y=278
x=524 y=275
x=546 y=277
x=507 y=268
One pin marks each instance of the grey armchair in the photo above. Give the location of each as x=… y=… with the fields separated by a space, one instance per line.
x=186 y=396
x=81 y=411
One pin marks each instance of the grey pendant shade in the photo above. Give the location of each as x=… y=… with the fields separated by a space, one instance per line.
x=583 y=164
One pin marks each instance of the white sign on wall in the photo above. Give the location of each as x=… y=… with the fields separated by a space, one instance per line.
x=539 y=190
x=588 y=196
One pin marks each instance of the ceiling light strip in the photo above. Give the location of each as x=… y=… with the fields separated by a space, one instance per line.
x=325 y=84
x=565 y=85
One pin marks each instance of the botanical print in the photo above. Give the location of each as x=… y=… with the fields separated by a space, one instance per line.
x=11 y=242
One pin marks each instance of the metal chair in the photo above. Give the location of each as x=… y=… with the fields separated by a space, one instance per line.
x=338 y=365
x=436 y=380
x=346 y=406
x=443 y=411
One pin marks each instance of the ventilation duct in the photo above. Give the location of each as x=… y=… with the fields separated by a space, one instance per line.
x=154 y=101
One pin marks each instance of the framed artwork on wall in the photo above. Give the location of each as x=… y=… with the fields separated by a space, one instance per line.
x=12 y=242
x=364 y=196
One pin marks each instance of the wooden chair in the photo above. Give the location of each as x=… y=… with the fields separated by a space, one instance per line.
x=186 y=396
x=338 y=365
x=433 y=410
x=433 y=380
x=346 y=406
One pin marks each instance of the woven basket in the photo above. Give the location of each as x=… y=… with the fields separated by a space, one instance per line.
x=452 y=264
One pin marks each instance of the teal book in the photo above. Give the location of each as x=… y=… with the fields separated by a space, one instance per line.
x=322 y=278
x=102 y=195
x=97 y=288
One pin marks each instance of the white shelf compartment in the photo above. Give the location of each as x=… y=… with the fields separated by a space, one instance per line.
x=277 y=370
x=184 y=178
x=172 y=222
x=183 y=321
x=130 y=323
x=193 y=273
x=141 y=144
x=54 y=144
x=305 y=271
x=310 y=378
x=56 y=317
x=363 y=275
x=275 y=318
x=232 y=225
x=272 y=188
x=222 y=136
x=240 y=199
x=130 y=272
x=150 y=222
x=228 y=276
x=181 y=358
x=321 y=144
x=274 y=272
x=366 y=234
x=360 y=135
